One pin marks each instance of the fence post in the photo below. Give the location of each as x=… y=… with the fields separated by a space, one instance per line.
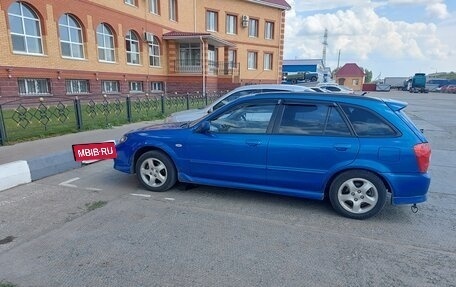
x=188 y=100
x=2 y=128
x=78 y=113
x=205 y=97
x=128 y=108
x=162 y=103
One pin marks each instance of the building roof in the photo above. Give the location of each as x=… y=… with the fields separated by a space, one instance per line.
x=192 y=37
x=281 y=4
x=303 y=62
x=350 y=70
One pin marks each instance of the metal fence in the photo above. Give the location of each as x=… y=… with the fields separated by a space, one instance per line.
x=31 y=118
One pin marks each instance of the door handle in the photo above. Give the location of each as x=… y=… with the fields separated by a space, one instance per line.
x=253 y=142
x=342 y=147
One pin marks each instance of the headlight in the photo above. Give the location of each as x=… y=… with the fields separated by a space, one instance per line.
x=123 y=139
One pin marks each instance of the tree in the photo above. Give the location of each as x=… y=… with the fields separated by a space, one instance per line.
x=368 y=75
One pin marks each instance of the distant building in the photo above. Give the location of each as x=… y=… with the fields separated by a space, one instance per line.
x=74 y=47
x=350 y=75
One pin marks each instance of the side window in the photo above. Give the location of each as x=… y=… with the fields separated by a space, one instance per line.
x=233 y=97
x=303 y=119
x=251 y=119
x=336 y=126
x=368 y=124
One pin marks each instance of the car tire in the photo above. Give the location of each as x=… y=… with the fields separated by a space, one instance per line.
x=155 y=171
x=357 y=194
x=313 y=79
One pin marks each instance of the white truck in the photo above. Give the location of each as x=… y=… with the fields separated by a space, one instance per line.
x=395 y=82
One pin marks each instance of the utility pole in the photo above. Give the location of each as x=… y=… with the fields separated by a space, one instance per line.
x=338 y=60
x=325 y=44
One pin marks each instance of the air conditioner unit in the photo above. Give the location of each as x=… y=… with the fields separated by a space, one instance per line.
x=148 y=37
x=245 y=21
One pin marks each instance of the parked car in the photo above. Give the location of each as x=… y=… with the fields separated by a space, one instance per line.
x=193 y=114
x=320 y=90
x=353 y=150
x=448 y=89
x=334 y=88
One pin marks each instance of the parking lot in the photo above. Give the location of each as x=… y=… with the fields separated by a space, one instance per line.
x=95 y=226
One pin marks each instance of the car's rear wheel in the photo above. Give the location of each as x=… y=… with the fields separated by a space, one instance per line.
x=357 y=194
x=155 y=171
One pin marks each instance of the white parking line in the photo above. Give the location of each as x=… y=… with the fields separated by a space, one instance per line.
x=141 y=195
x=67 y=183
x=169 y=198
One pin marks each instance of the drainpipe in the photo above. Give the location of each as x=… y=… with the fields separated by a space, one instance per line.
x=203 y=65
x=194 y=16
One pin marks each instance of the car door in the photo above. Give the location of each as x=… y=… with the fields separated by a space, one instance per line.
x=234 y=150
x=309 y=141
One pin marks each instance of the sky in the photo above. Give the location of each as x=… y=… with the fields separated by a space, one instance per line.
x=391 y=38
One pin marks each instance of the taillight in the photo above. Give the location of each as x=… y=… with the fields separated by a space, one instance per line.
x=423 y=156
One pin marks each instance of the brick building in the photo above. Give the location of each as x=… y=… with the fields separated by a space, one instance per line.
x=350 y=75
x=84 y=47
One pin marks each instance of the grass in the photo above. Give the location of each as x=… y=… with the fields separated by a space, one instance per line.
x=7 y=284
x=33 y=121
x=94 y=205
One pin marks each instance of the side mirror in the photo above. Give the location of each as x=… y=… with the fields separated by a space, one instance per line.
x=204 y=128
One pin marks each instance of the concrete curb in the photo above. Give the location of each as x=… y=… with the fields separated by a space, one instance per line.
x=14 y=173
x=55 y=163
x=25 y=171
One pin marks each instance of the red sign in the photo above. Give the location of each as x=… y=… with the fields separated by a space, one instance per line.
x=94 y=151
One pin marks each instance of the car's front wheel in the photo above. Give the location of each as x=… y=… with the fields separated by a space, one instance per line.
x=155 y=171
x=357 y=194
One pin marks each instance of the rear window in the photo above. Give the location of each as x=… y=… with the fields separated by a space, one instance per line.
x=367 y=123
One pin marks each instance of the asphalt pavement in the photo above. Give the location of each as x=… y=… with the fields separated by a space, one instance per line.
x=29 y=161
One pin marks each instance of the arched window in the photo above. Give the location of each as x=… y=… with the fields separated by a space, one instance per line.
x=154 y=53
x=105 y=41
x=25 y=29
x=132 y=45
x=71 y=41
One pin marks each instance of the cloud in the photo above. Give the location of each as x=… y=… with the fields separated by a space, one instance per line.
x=438 y=10
x=362 y=35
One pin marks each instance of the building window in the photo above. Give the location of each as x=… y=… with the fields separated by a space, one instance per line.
x=253 y=28
x=211 y=21
x=232 y=58
x=132 y=46
x=25 y=29
x=252 y=60
x=105 y=39
x=135 y=86
x=231 y=24
x=267 y=61
x=173 y=10
x=269 y=30
x=156 y=86
x=154 y=53
x=154 y=6
x=190 y=54
x=34 y=86
x=110 y=87
x=355 y=82
x=77 y=86
x=130 y=2
x=71 y=37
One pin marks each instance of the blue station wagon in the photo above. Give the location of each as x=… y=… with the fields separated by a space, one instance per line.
x=355 y=150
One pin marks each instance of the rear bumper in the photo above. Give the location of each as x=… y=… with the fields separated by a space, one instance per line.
x=408 y=188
